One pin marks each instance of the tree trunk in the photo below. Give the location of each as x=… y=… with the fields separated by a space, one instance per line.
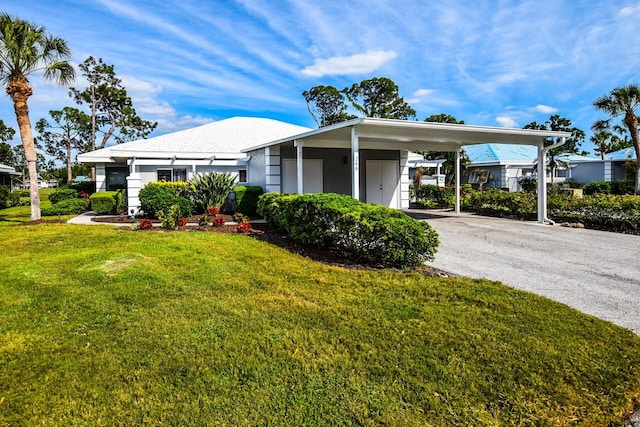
x=19 y=91
x=69 y=172
x=631 y=121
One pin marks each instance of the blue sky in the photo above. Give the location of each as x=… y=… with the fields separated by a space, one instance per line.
x=494 y=63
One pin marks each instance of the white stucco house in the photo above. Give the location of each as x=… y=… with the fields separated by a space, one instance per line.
x=366 y=158
x=178 y=156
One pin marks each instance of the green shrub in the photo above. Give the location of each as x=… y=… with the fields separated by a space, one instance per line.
x=66 y=207
x=600 y=211
x=441 y=197
x=156 y=197
x=372 y=234
x=623 y=186
x=107 y=202
x=597 y=187
x=211 y=189
x=4 y=195
x=62 y=193
x=247 y=198
x=170 y=218
x=88 y=187
x=528 y=183
x=494 y=202
x=19 y=198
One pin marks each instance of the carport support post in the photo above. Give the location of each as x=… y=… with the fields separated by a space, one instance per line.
x=458 y=180
x=355 y=164
x=542 y=184
x=299 y=162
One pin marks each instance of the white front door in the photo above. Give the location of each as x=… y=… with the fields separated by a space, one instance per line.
x=382 y=182
x=311 y=178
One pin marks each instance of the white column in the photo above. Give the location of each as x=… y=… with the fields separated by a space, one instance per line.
x=299 y=167
x=134 y=185
x=457 y=209
x=542 y=184
x=355 y=164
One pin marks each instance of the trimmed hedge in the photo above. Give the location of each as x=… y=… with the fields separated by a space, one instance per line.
x=107 y=202
x=433 y=196
x=4 y=195
x=247 y=197
x=372 y=234
x=600 y=211
x=66 y=207
x=619 y=187
x=156 y=197
x=62 y=193
x=501 y=203
x=19 y=198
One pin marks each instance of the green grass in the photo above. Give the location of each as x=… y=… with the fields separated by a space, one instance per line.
x=100 y=326
x=21 y=214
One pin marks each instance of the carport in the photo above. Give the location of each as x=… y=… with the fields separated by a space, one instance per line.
x=386 y=135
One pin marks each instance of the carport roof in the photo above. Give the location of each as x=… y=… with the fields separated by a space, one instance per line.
x=393 y=134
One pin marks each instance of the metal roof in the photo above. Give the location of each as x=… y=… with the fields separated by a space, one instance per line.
x=624 y=154
x=375 y=133
x=223 y=139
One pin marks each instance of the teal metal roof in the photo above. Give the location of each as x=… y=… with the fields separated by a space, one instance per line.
x=501 y=153
x=624 y=154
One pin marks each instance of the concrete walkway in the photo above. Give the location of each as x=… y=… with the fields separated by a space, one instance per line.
x=593 y=271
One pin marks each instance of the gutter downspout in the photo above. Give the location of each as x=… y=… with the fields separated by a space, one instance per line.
x=542 y=180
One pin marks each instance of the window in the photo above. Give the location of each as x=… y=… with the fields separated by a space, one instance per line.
x=172 y=175
x=242 y=175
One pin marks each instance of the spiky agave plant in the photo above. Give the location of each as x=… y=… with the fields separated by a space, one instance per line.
x=212 y=189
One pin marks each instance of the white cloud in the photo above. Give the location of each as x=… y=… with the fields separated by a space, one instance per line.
x=545 y=109
x=507 y=122
x=630 y=10
x=420 y=93
x=361 y=63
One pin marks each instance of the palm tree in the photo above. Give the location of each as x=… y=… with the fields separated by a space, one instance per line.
x=624 y=101
x=26 y=48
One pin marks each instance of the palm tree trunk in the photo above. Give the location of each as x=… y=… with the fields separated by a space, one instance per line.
x=20 y=91
x=631 y=121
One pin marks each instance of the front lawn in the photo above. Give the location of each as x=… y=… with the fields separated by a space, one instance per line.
x=101 y=326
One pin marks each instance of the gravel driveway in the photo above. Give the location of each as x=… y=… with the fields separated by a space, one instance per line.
x=593 y=271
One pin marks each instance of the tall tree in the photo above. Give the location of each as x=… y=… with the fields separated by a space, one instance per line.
x=379 y=97
x=111 y=109
x=448 y=167
x=68 y=132
x=326 y=105
x=24 y=49
x=6 y=151
x=571 y=145
x=624 y=102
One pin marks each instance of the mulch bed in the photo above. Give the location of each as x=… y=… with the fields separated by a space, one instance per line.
x=264 y=232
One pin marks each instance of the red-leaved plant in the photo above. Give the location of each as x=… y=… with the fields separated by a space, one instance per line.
x=244 y=227
x=182 y=221
x=213 y=211
x=146 y=224
x=218 y=221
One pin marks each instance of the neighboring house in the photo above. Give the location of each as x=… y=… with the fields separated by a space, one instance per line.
x=178 y=156
x=6 y=175
x=417 y=161
x=610 y=169
x=503 y=165
x=366 y=158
